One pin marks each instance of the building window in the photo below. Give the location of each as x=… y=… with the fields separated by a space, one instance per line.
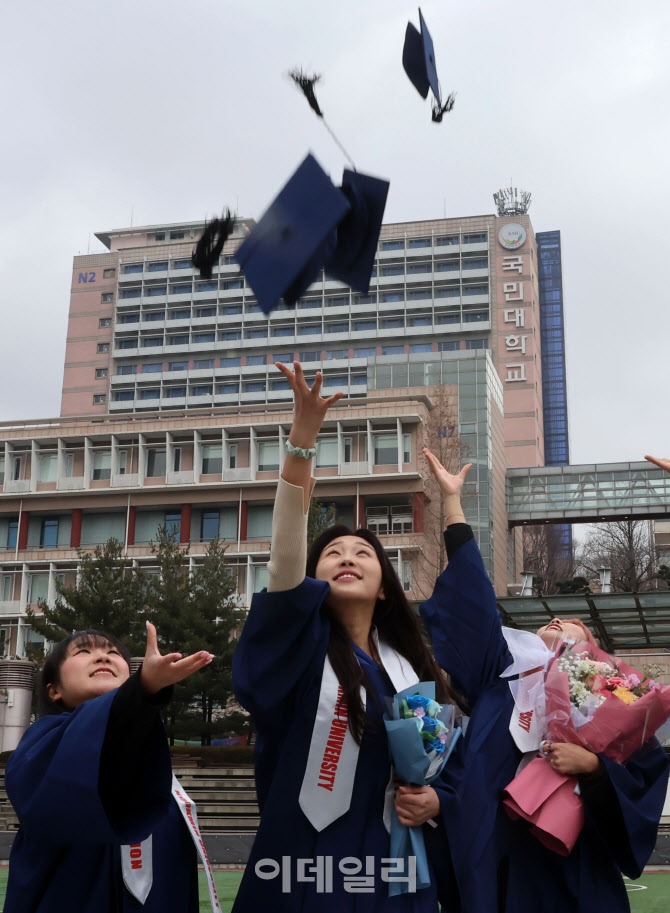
x=476 y=343
x=159 y=236
x=183 y=314
x=311 y=329
x=228 y=389
x=423 y=320
x=106 y=297
x=360 y=325
x=177 y=235
x=283 y=331
x=395 y=244
x=254 y=386
x=393 y=323
x=109 y=273
x=209 y=525
x=393 y=350
x=128 y=318
x=447 y=240
x=100 y=373
x=202 y=390
x=131 y=293
x=407 y=448
x=178 y=366
x=259 y=521
x=475 y=290
x=339 y=327
x=268 y=456
x=99 y=399
x=418 y=242
x=102 y=465
x=258 y=333
x=156 y=462
x=232 y=456
x=451 y=345
x=228 y=309
x=204 y=337
x=386 y=449
x=211 y=459
x=12 y=533
x=127 y=343
x=173 y=524
x=448 y=318
x=326 y=452
x=335 y=380
x=157 y=266
x=149 y=369
x=475 y=238
x=103 y=347
x=203 y=364
x=309 y=356
x=174 y=392
x=358 y=379
x=337 y=353
x=181 y=264
x=178 y=340
x=230 y=335
x=153 y=315
x=133 y=268
x=181 y=289
x=256 y=359
x=47 y=467
x=152 y=342
x=49 y=533
x=206 y=312
x=152 y=393
x=123 y=396
x=232 y=362
x=279 y=385
x=154 y=291
x=418 y=347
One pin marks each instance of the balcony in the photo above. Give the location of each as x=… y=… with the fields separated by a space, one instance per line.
x=10 y=607
x=16 y=486
x=243 y=474
x=70 y=483
x=185 y=477
x=124 y=480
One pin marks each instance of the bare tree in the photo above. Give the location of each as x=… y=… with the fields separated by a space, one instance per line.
x=440 y=435
x=626 y=547
x=543 y=557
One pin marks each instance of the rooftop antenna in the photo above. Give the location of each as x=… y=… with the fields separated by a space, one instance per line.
x=511 y=201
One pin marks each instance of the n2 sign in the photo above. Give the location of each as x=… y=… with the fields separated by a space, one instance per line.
x=86 y=277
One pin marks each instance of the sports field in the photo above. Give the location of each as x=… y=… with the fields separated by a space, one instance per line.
x=651 y=894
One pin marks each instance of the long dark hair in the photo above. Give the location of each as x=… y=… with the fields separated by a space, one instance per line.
x=397 y=623
x=55 y=659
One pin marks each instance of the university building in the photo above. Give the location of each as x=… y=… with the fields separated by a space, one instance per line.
x=172 y=411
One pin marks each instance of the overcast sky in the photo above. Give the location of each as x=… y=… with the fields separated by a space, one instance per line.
x=168 y=111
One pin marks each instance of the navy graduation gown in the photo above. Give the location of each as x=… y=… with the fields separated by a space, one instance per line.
x=73 y=817
x=498 y=864
x=277 y=671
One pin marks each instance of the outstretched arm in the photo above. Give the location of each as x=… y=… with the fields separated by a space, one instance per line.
x=661 y=462
x=289 y=520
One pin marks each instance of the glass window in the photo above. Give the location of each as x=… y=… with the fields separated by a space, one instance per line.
x=102 y=465
x=203 y=364
x=149 y=369
x=178 y=366
x=418 y=242
x=100 y=373
x=99 y=399
x=311 y=329
x=418 y=347
x=284 y=357
x=283 y=331
x=105 y=322
x=268 y=456
x=206 y=312
x=476 y=343
x=47 y=467
x=231 y=309
x=227 y=389
x=393 y=350
x=447 y=240
x=257 y=333
x=395 y=244
x=232 y=456
x=280 y=385
x=157 y=266
x=230 y=335
x=475 y=290
x=309 y=356
x=419 y=294
x=337 y=353
x=259 y=521
x=339 y=301
x=202 y=390
x=181 y=314
x=177 y=235
x=123 y=396
x=152 y=342
x=153 y=315
x=133 y=268
x=254 y=386
x=475 y=317
x=103 y=347
x=126 y=343
x=153 y=291
x=173 y=524
x=392 y=296
x=451 y=345
x=209 y=525
x=204 y=337
x=407 y=448
x=109 y=273
x=233 y=284
x=475 y=262
x=38 y=586
x=156 y=462
x=174 y=392
x=152 y=393
x=128 y=318
x=448 y=318
x=365 y=325
x=423 y=320
x=391 y=323
x=131 y=292
x=335 y=380
x=326 y=452
x=49 y=533
x=386 y=449
x=451 y=291
x=256 y=359
x=474 y=237
x=414 y=268
x=365 y=353
x=181 y=264
x=365 y=299
x=261 y=577
x=211 y=459
x=337 y=327
x=12 y=533
x=181 y=340
x=232 y=362
x=393 y=269
x=358 y=379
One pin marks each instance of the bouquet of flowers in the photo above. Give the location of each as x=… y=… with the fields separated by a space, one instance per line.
x=421 y=735
x=594 y=701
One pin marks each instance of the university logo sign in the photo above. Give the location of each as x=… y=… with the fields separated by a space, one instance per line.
x=512 y=236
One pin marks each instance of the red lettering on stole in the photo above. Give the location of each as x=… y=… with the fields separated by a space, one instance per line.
x=331 y=754
x=525 y=720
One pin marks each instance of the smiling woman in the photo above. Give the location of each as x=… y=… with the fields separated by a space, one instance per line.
x=319 y=657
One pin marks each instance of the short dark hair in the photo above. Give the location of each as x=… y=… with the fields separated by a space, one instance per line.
x=55 y=659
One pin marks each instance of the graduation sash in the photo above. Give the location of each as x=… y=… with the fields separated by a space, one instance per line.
x=528 y=721
x=328 y=781
x=137 y=862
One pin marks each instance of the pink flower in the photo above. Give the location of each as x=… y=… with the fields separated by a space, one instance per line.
x=633 y=681
x=617 y=682
x=420 y=712
x=653 y=685
x=598 y=683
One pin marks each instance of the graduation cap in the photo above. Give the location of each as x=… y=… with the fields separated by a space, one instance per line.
x=312 y=225
x=418 y=60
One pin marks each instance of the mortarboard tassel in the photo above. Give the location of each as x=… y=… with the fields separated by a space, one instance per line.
x=306 y=85
x=209 y=247
x=440 y=110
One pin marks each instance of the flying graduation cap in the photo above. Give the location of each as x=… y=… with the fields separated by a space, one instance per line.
x=313 y=225
x=418 y=60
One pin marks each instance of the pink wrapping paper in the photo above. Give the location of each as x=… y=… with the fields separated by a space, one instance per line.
x=546 y=798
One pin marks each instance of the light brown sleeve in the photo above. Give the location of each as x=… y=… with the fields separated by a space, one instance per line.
x=288 y=554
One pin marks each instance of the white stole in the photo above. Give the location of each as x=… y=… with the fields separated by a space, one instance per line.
x=137 y=861
x=328 y=781
x=527 y=724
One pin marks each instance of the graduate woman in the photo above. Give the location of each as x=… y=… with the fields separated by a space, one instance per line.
x=92 y=779
x=499 y=865
x=317 y=659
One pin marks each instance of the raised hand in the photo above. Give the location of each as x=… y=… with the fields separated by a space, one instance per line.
x=450 y=485
x=160 y=671
x=661 y=462
x=309 y=408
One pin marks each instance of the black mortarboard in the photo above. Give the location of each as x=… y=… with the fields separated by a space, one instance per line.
x=358 y=232
x=286 y=249
x=418 y=60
